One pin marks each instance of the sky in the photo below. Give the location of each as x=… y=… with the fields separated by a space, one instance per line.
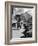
x=22 y=10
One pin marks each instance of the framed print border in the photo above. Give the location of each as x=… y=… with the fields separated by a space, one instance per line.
x=8 y=32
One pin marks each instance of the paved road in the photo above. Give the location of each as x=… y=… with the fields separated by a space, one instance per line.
x=17 y=33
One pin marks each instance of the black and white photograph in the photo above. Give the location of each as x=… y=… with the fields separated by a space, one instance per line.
x=22 y=22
